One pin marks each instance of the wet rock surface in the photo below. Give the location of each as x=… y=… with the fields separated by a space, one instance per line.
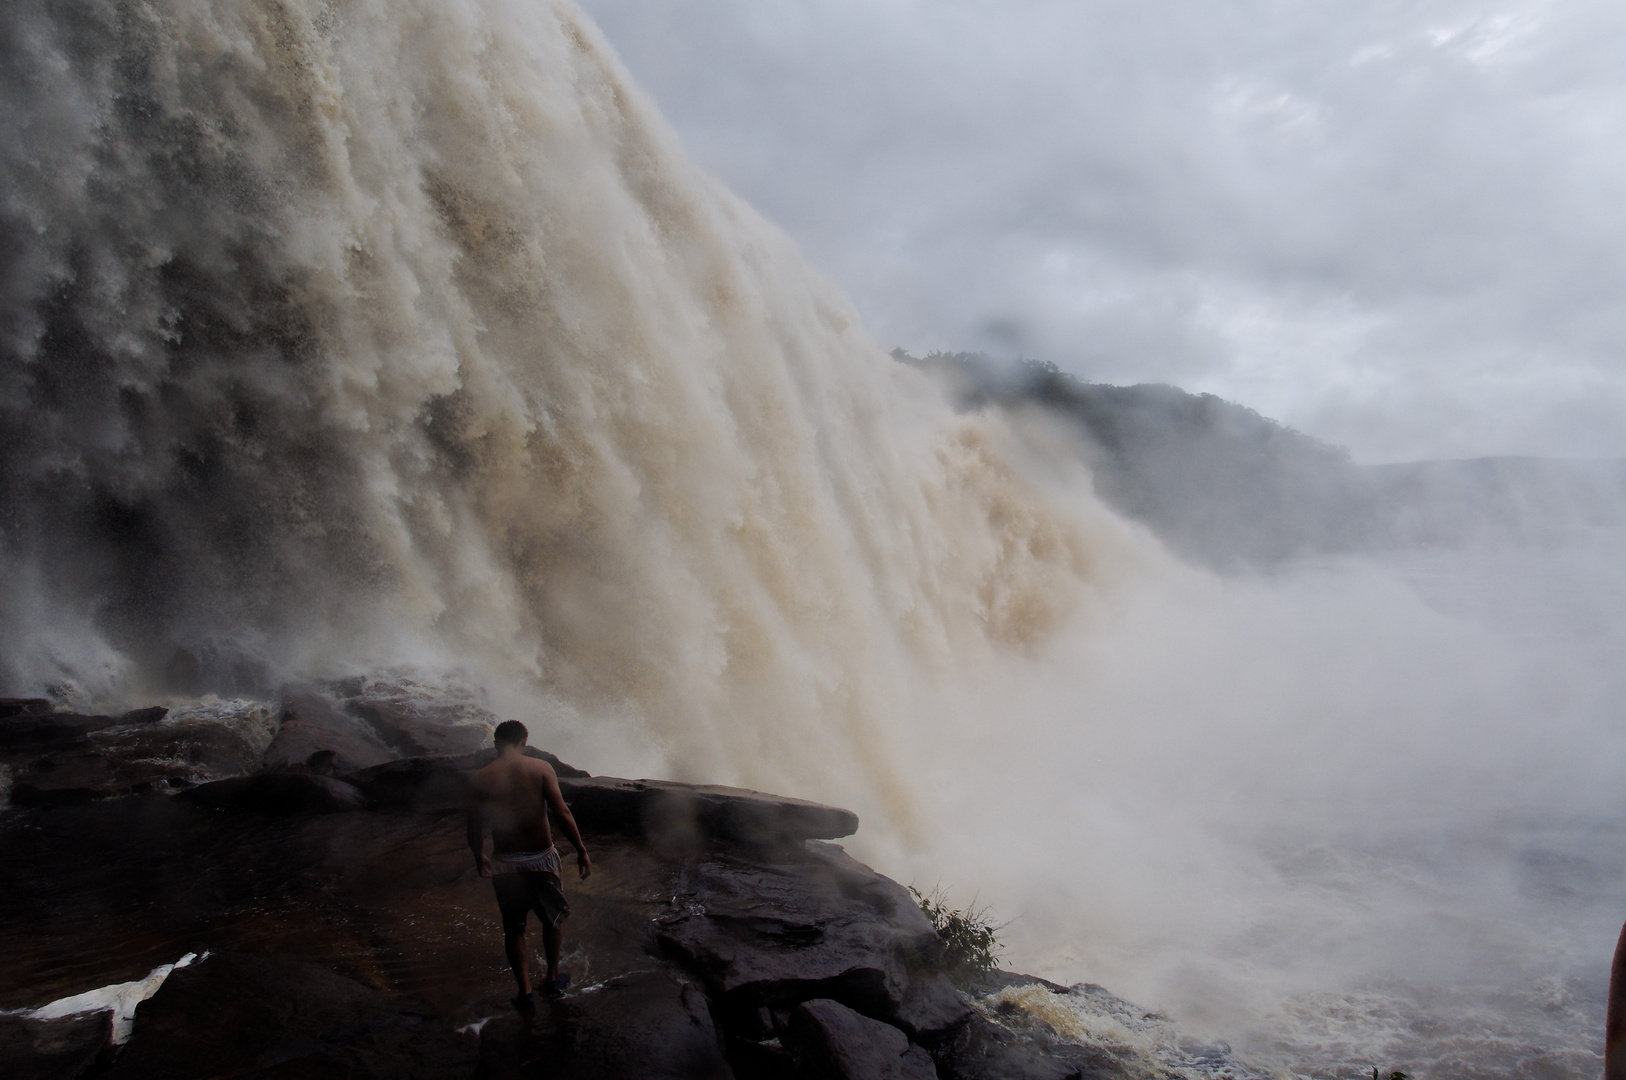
x=311 y=724
x=54 y=1049
x=236 y=1015
x=348 y=933
x=108 y=757
x=834 y=1042
x=279 y=793
x=674 y=814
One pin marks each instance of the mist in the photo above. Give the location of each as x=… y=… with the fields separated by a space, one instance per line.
x=403 y=340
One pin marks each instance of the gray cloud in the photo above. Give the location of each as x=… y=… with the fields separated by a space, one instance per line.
x=1398 y=226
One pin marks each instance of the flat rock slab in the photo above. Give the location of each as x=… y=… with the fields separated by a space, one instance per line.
x=279 y=793
x=53 y=1049
x=27 y=727
x=437 y=783
x=233 y=1014
x=822 y=925
x=835 y=1043
x=132 y=760
x=672 y=814
x=640 y=1026
x=311 y=724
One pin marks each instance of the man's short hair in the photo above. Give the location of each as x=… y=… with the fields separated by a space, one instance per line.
x=510 y=733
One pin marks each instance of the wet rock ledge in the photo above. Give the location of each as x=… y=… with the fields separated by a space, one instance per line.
x=313 y=856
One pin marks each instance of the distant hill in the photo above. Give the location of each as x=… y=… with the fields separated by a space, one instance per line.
x=1227 y=487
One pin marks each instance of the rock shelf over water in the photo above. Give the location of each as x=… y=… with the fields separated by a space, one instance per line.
x=348 y=934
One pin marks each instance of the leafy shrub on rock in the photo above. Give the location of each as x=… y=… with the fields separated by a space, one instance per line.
x=970 y=944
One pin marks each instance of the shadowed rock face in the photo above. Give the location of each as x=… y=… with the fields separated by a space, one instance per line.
x=54 y=1049
x=311 y=724
x=834 y=1041
x=674 y=814
x=279 y=793
x=57 y=758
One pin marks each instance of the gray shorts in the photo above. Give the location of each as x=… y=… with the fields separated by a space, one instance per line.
x=525 y=891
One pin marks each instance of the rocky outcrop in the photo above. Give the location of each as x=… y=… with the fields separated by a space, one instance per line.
x=438 y=783
x=312 y=725
x=832 y=1042
x=769 y=933
x=105 y=757
x=674 y=815
x=350 y=935
x=63 y=1049
x=30 y=724
x=279 y=793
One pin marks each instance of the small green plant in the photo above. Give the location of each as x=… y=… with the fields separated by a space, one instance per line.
x=1396 y=1075
x=970 y=945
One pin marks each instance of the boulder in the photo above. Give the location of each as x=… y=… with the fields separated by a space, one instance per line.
x=232 y=1014
x=932 y=1007
x=311 y=723
x=415 y=729
x=777 y=933
x=53 y=1049
x=132 y=760
x=834 y=1043
x=640 y=1026
x=673 y=814
x=279 y=793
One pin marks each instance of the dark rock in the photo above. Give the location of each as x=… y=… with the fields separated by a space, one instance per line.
x=19 y=706
x=31 y=728
x=437 y=783
x=560 y=769
x=267 y=1016
x=414 y=729
x=932 y=1007
x=53 y=1049
x=642 y=1026
x=764 y=933
x=835 y=1043
x=128 y=761
x=983 y=1049
x=420 y=783
x=310 y=723
x=673 y=814
x=765 y=1059
x=279 y=793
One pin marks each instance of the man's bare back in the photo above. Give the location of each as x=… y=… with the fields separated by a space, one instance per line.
x=513 y=795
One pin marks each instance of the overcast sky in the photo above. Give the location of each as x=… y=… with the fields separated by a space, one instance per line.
x=1400 y=227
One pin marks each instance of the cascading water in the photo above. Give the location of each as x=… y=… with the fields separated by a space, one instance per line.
x=388 y=334
x=358 y=333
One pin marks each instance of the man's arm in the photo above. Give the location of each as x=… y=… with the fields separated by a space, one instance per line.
x=476 y=821
x=567 y=822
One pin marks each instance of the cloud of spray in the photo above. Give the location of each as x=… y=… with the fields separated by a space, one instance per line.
x=402 y=335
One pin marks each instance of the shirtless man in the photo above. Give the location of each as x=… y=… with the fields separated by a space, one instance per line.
x=512 y=796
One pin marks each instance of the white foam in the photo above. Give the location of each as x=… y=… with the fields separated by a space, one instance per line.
x=119 y=998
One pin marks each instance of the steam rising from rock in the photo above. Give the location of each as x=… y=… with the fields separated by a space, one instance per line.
x=338 y=335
